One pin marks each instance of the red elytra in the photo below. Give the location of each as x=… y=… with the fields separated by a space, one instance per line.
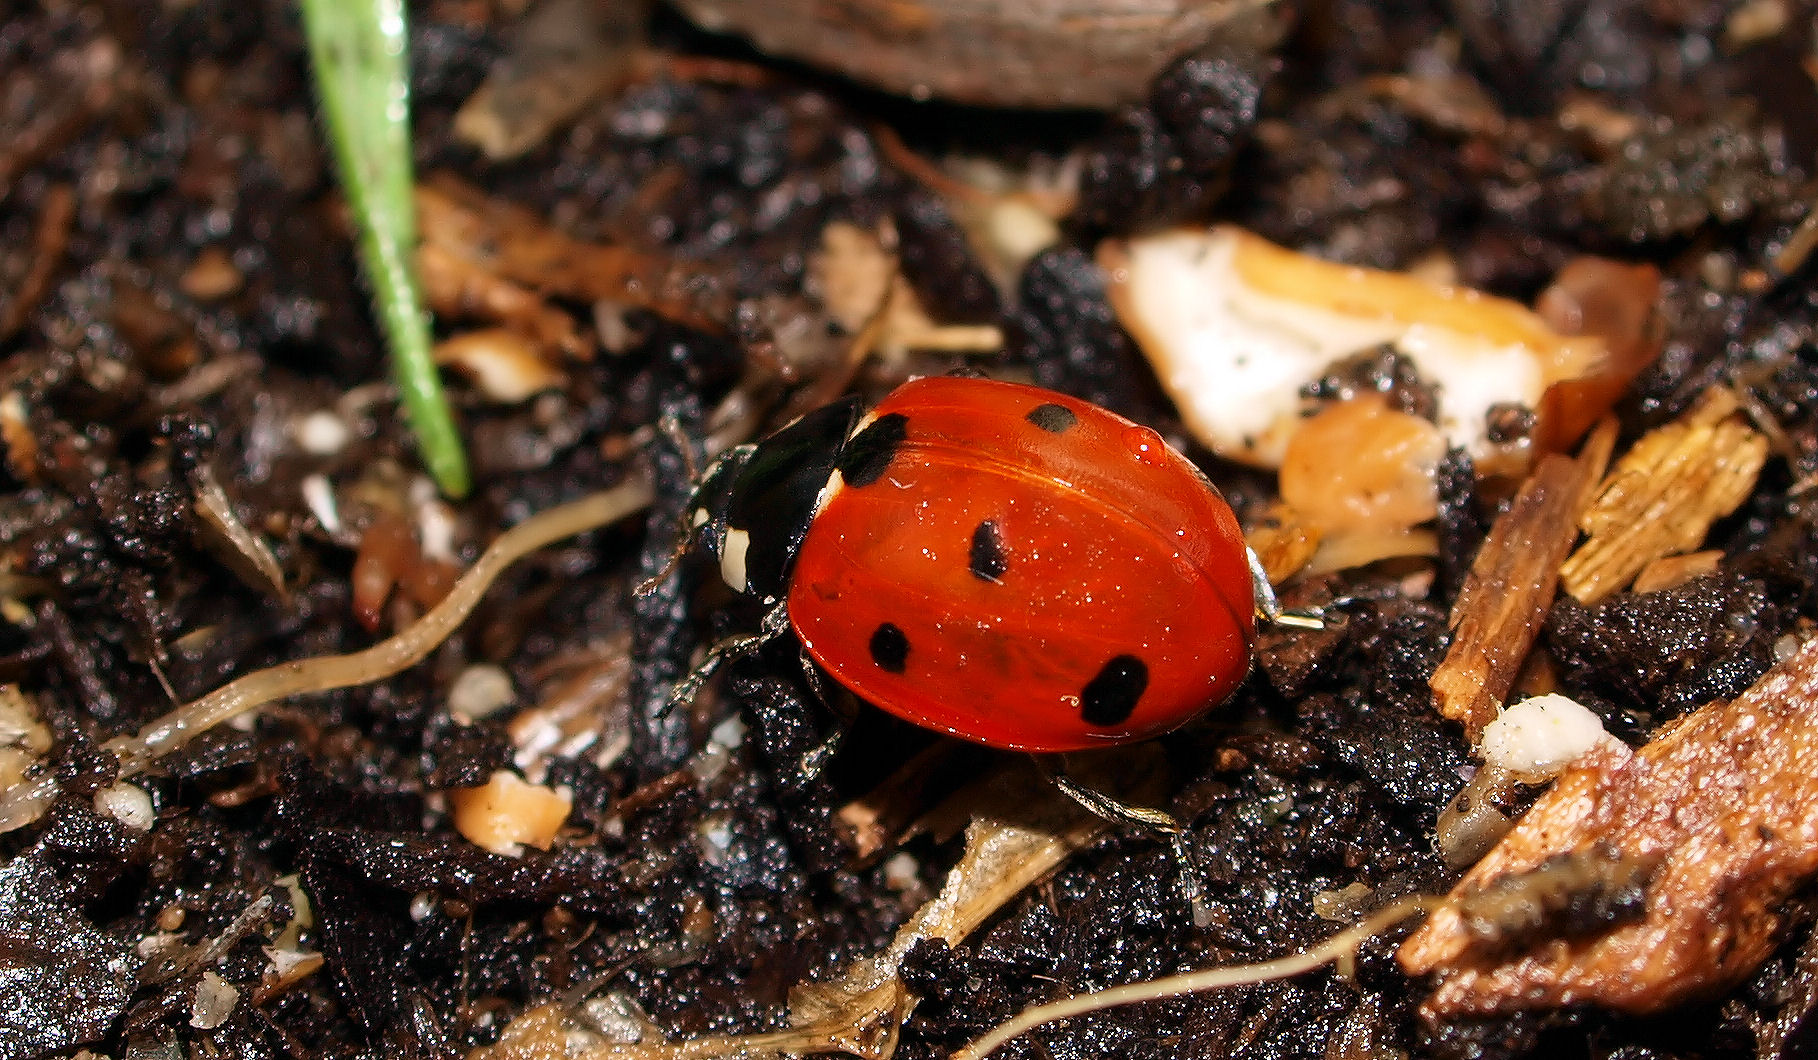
x=1011 y=566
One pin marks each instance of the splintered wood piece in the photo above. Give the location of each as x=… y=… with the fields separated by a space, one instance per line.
x=1505 y=597
x=1710 y=827
x=1669 y=572
x=1664 y=494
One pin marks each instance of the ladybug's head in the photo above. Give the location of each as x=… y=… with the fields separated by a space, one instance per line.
x=753 y=507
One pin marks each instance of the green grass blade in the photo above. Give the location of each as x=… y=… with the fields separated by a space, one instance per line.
x=358 y=53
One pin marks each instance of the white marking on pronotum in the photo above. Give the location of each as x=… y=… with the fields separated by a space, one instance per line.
x=732 y=558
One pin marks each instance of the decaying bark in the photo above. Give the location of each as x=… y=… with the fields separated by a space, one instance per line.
x=1006 y=53
x=1711 y=827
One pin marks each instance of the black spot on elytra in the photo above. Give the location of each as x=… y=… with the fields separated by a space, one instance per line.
x=889 y=648
x=1052 y=418
x=1109 y=698
x=869 y=452
x=987 y=560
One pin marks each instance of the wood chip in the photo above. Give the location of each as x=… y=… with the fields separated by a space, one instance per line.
x=20 y=440
x=1663 y=495
x=1716 y=823
x=1505 y=597
x=232 y=541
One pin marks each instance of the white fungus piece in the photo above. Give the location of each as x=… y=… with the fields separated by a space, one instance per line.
x=127 y=803
x=902 y=872
x=729 y=733
x=435 y=521
x=323 y=433
x=1538 y=738
x=215 y=1001
x=617 y=1017
x=479 y=691
x=713 y=840
x=1236 y=327
x=709 y=764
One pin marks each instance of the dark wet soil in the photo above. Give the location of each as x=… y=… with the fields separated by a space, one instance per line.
x=702 y=873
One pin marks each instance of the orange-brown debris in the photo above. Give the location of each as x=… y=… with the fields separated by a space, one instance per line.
x=1616 y=302
x=1505 y=598
x=1669 y=572
x=1285 y=542
x=56 y=218
x=1662 y=497
x=1716 y=821
x=465 y=232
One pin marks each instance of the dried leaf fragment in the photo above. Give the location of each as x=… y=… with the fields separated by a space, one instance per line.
x=1663 y=495
x=1505 y=597
x=473 y=242
x=505 y=366
x=238 y=547
x=855 y=271
x=23 y=735
x=1363 y=475
x=1722 y=808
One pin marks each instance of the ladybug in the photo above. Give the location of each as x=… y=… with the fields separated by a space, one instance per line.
x=990 y=560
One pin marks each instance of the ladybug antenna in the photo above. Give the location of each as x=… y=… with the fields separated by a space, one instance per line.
x=672 y=429
x=671 y=426
x=1146 y=818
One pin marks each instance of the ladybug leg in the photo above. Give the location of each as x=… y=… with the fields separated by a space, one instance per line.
x=817 y=758
x=774 y=625
x=649 y=585
x=1269 y=609
x=1146 y=818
